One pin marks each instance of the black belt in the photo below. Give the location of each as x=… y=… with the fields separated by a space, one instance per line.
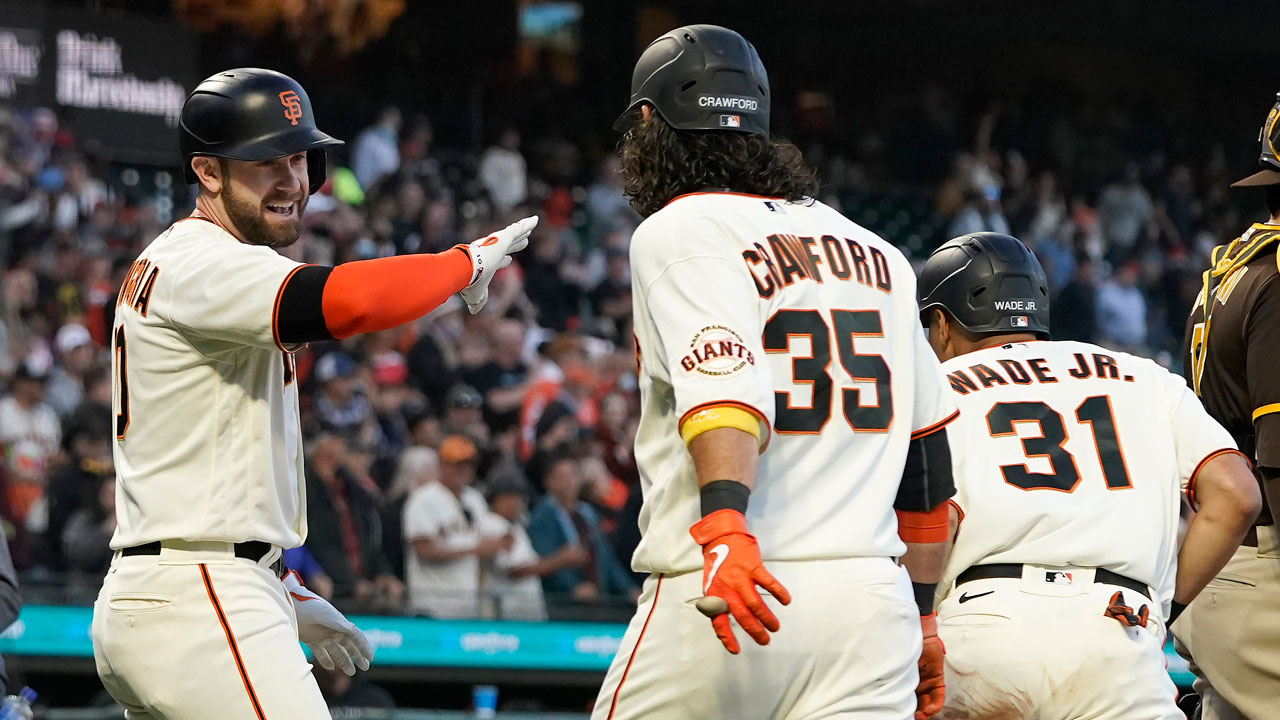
x=1014 y=570
x=253 y=550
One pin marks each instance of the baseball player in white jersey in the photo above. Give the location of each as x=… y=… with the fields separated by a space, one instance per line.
x=789 y=403
x=1071 y=463
x=196 y=617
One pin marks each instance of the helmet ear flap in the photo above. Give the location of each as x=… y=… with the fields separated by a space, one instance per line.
x=316 y=166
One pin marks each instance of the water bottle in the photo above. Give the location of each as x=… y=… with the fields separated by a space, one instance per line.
x=18 y=707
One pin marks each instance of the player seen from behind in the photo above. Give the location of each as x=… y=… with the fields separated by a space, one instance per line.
x=196 y=617
x=789 y=403
x=1071 y=463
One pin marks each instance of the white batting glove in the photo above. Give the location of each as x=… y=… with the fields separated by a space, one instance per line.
x=491 y=254
x=333 y=640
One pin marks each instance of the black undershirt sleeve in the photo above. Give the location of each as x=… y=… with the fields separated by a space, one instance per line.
x=926 y=477
x=300 y=314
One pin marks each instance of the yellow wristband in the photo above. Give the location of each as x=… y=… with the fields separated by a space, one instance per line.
x=719 y=416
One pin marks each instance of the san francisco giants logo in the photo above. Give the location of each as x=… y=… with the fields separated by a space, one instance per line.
x=292 y=108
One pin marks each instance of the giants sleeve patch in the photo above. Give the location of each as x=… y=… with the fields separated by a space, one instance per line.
x=716 y=351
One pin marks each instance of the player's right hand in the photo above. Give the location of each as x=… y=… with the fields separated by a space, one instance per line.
x=491 y=254
x=731 y=570
x=931 y=691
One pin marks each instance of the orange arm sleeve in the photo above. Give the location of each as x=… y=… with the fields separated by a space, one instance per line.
x=372 y=295
x=925 y=527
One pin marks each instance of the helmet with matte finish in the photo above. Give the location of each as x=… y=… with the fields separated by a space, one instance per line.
x=702 y=77
x=989 y=283
x=251 y=114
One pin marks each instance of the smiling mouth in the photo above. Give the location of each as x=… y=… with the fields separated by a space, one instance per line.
x=284 y=210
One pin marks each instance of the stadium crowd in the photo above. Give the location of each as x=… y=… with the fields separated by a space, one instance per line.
x=480 y=466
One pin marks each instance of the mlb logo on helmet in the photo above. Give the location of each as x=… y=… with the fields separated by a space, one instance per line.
x=1018 y=321
x=732 y=121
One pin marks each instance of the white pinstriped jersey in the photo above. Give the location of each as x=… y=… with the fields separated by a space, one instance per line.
x=810 y=322
x=208 y=442
x=1067 y=453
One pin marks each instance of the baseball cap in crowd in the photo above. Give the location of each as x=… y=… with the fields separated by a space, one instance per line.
x=31 y=369
x=1269 y=140
x=458 y=449
x=334 y=365
x=390 y=369
x=70 y=337
x=463 y=396
x=506 y=485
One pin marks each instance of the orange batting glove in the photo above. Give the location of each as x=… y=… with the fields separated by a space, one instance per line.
x=932 y=690
x=731 y=570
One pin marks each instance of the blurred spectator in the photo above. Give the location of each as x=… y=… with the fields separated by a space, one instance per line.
x=464 y=415
x=417 y=467
x=1074 y=313
x=1124 y=209
x=980 y=212
x=512 y=577
x=87 y=536
x=562 y=519
x=606 y=204
x=548 y=280
x=65 y=388
x=73 y=484
x=345 y=530
x=504 y=378
x=443 y=544
x=376 y=151
x=30 y=433
x=502 y=172
x=339 y=407
x=1122 y=311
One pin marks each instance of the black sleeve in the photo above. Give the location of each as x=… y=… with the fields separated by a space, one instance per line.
x=300 y=313
x=926 y=477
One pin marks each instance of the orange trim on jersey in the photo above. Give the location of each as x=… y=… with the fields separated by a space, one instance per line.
x=959 y=511
x=764 y=422
x=231 y=642
x=726 y=192
x=1191 y=484
x=613 y=707
x=275 y=309
x=931 y=429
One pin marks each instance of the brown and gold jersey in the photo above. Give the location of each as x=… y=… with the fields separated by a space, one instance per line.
x=1233 y=343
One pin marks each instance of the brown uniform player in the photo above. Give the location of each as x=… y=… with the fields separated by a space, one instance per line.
x=1231 y=632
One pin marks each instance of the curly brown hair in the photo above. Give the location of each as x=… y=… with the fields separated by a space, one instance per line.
x=661 y=163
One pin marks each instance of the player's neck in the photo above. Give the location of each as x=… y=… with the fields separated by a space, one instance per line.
x=998 y=340
x=209 y=208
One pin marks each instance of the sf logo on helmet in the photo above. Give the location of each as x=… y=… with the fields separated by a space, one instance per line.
x=292 y=108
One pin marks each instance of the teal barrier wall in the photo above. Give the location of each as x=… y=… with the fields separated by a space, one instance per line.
x=58 y=631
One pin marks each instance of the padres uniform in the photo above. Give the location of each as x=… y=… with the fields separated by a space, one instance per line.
x=809 y=322
x=1231 y=631
x=207 y=454
x=1071 y=464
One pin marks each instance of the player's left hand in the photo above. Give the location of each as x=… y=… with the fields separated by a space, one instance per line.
x=932 y=690
x=333 y=639
x=731 y=570
x=491 y=254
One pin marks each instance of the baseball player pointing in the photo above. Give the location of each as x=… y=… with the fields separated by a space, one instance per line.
x=1071 y=464
x=197 y=617
x=789 y=401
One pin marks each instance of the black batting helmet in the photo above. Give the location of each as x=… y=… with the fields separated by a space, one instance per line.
x=1269 y=142
x=251 y=114
x=989 y=283
x=702 y=77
